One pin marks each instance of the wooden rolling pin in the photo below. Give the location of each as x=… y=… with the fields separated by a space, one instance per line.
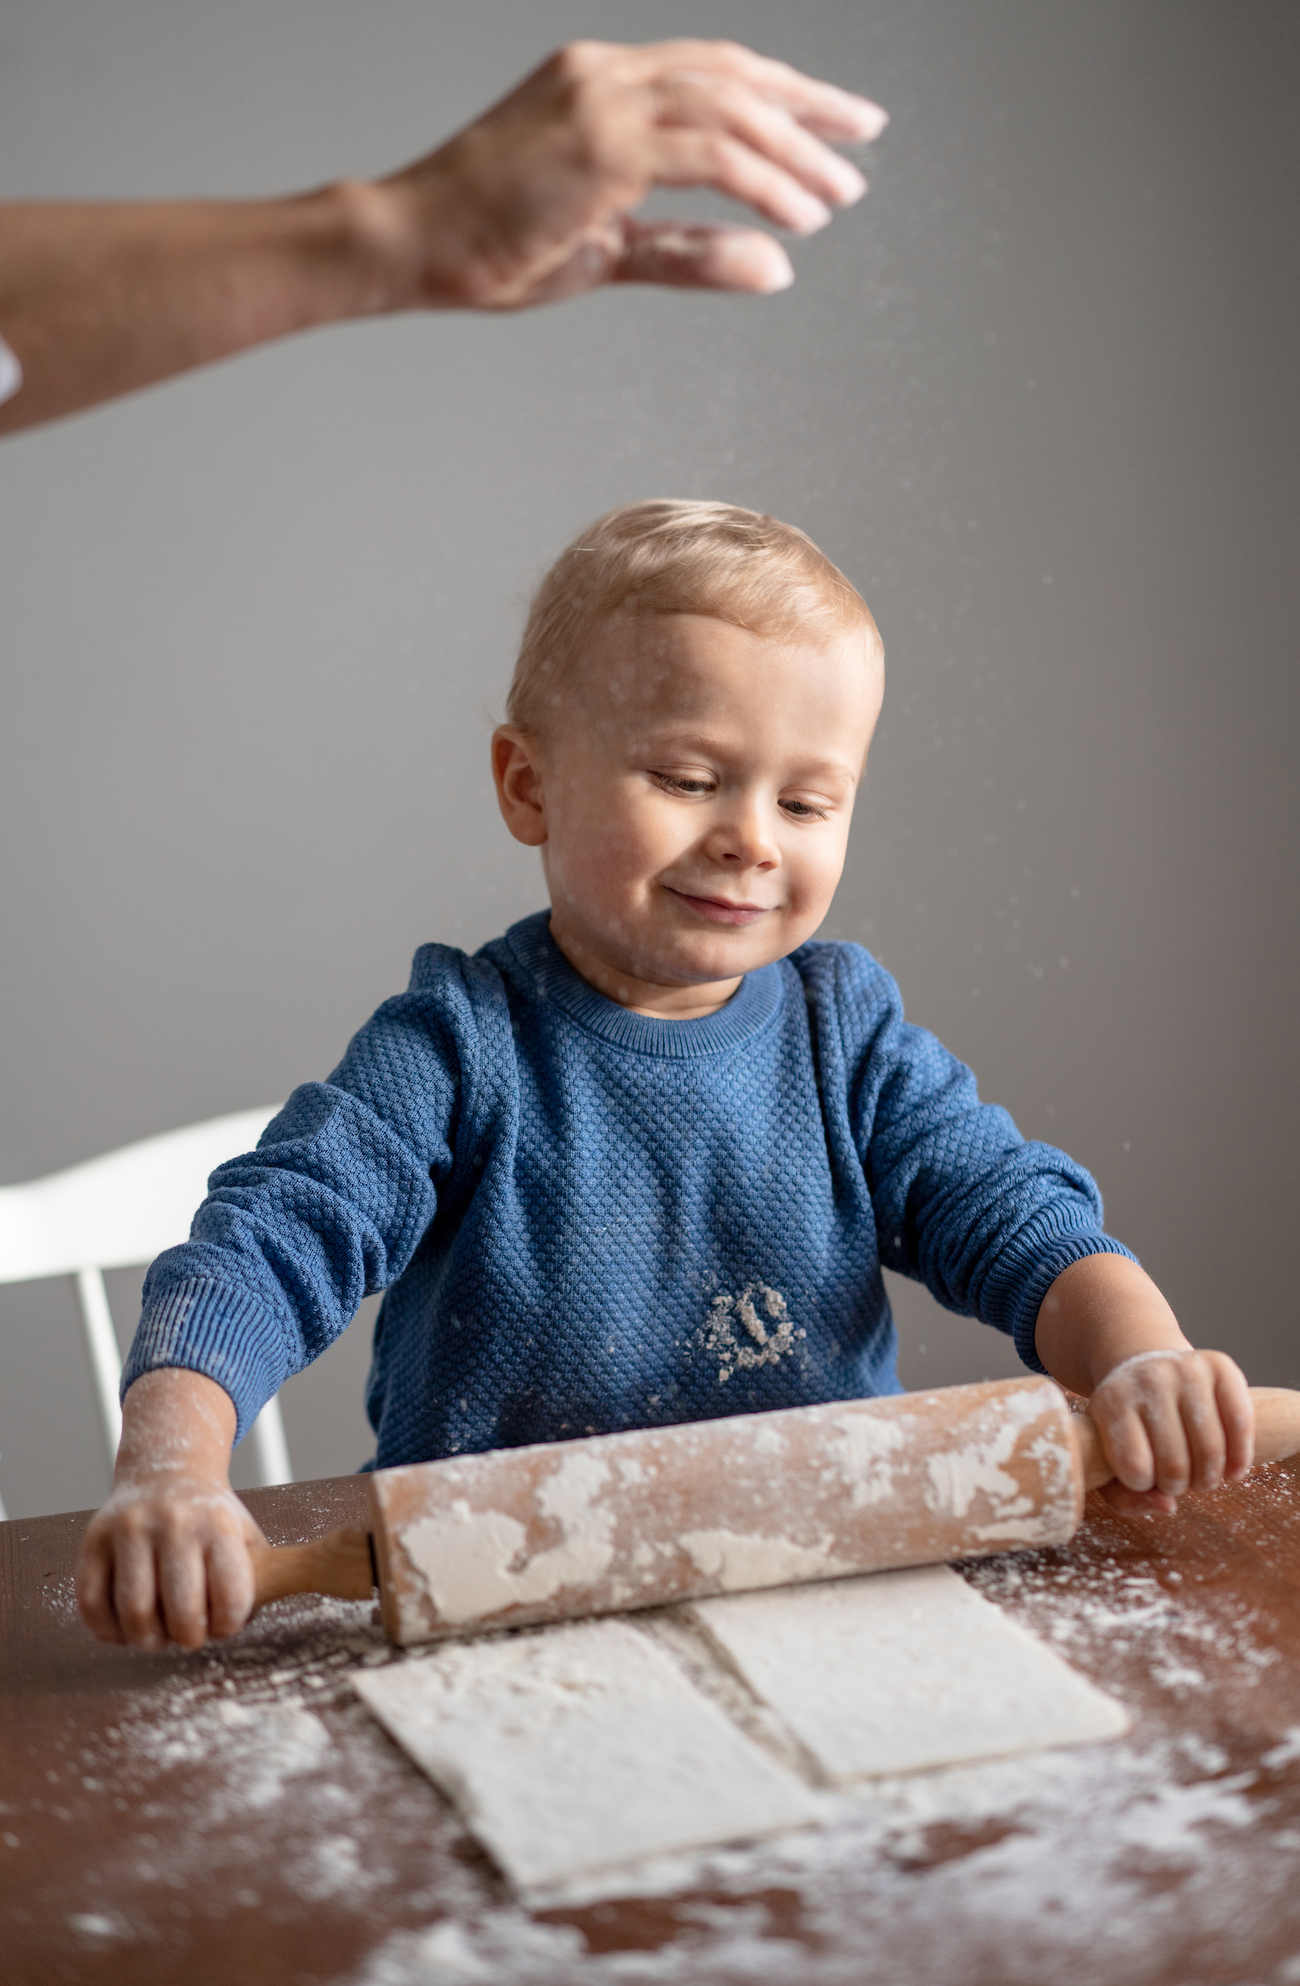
x=566 y=1528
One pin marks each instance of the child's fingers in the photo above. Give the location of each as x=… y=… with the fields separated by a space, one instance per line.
x=1125 y=1441
x=1194 y=1411
x=94 y=1583
x=1236 y=1412
x=183 y=1591
x=1203 y=1425
x=1137 y=1503
x=135 y=1588
x=1172 y=1434
x=230 y=1585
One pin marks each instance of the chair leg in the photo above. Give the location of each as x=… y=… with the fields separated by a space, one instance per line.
x=270 y=1447
x=105 y=1359
x=267 y=1436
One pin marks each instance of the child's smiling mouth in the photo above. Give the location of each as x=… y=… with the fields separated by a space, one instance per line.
x=718 y=909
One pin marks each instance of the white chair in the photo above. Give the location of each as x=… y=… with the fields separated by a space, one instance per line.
x=113 y=1213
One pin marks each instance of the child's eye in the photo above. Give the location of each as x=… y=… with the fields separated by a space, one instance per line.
x=683 y=782
x=804 y=810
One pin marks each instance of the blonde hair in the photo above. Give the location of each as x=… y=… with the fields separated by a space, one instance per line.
x=668 y=556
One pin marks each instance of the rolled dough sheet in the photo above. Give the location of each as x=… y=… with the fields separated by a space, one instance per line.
x=579 y=1748
x=899 y=1671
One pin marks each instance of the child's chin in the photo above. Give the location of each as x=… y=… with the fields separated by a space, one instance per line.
x=721 y=955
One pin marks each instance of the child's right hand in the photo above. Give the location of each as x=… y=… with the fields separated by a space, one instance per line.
x=167 y=1558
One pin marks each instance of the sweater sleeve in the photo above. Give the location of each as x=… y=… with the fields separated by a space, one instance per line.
x=329 y=1208
x=985 y=1218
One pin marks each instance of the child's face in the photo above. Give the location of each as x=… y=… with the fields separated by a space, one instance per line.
x=693 y=803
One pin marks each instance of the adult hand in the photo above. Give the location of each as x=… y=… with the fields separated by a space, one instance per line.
x=532 y=202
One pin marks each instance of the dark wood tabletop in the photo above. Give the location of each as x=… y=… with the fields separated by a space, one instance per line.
x=236 y=1816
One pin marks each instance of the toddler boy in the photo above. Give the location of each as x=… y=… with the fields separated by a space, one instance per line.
x=642 y=1159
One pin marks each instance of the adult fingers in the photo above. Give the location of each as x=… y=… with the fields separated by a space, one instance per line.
x=1236 y=1412
x=678 y=255
x=697 y=103
x=702 y=257
x=230 y=1584
x=713 y=158
x=94 y=1585
x=135 y=1589
x=840 y=115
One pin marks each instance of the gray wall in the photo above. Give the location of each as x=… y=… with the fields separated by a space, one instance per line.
x=1036 y=396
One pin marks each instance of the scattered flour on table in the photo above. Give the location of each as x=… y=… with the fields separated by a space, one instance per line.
x=1172 y=1845
x=60 y=1599
x=98 y=1928
x=865 y=1861
x=1132 y=1615
x=1285 y=1752
x=263 y=1755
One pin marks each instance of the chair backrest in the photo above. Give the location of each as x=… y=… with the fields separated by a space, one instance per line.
x=112 y=1213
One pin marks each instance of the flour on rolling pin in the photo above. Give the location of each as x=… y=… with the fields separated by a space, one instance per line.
x=618 y=1521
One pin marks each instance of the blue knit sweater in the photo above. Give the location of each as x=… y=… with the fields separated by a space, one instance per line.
x=587 y=1220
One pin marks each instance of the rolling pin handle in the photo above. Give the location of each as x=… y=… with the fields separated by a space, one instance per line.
x=1087 y=1446
x=342 y=1565
x=1277 y=1422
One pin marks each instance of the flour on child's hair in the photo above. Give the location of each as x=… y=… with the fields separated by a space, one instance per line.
x=736 y=1335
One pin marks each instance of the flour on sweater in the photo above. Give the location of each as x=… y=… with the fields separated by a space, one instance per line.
x=767 y=1339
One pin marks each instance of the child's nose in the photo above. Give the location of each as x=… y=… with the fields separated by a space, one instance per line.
x=744 y=839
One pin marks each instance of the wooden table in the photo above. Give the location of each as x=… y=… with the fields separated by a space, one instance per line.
x=235 y=1816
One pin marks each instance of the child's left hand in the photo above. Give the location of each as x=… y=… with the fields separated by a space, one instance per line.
x=1171 y=1421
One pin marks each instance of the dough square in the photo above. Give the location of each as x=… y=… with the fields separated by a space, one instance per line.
x=578 y=1748
x=899 y=1671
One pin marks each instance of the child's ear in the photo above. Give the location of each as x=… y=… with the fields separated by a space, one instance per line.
x=519 y=784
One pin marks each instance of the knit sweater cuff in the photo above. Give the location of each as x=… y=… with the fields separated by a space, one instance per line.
x=226 y=1334
x=1013 y=1295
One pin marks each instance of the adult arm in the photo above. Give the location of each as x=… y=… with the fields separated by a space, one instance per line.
x=531 y=203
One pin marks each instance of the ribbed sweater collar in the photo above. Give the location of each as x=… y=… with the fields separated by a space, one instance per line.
x=546 y=974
